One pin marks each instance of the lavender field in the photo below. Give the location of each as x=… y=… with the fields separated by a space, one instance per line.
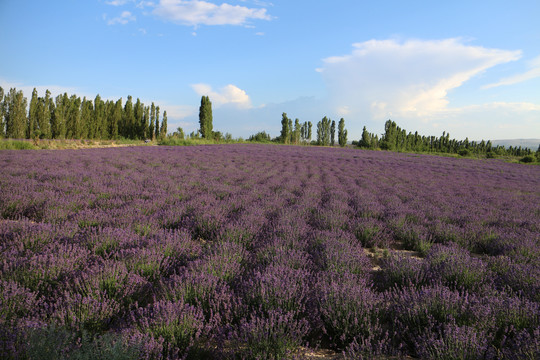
x=263 y=251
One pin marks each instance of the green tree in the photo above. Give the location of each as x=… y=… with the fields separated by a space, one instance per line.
x=163 y=129
x=32 y=121
x=58 y=121
x=323 y=132
x=115 y=119
x=297 y=131
x=310 y=126
x=128 y=120
x=205 y=117
x=157 y=128
x=146 y=123
x=44 y=118
x=138 y=125
x=87 y=126
x=333 y=133
x=99 y=118
x=16 y=105
x=342 y=133
x=152 y=121
x=285 y=129
x=2 y=114
x=179 y=133
x=365 y=142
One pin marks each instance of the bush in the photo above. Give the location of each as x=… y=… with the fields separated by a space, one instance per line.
x=273 y=336
x=527 y=159
x=58 y=343
x=463 y=152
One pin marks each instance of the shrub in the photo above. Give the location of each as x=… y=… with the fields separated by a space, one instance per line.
x=527 y=159
x=273 y=335
x=349 y=309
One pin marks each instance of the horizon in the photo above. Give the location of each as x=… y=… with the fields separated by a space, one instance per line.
x=428 y=67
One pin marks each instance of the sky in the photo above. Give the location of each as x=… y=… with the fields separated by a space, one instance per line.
x=470 y=68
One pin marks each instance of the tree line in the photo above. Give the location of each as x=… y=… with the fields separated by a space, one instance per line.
x=70 y=117
x=302 y=132
x=397 y=139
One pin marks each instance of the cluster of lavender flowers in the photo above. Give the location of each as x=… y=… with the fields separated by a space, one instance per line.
x=259 y=251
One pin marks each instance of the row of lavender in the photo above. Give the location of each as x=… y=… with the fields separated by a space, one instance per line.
x=253 y=251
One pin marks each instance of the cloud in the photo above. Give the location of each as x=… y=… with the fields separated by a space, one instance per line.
x=123 y=19
x=196 y=12
x=229 y=94
x=384 y=78
x=117 y=2
x=41 y=89
x=533 y=73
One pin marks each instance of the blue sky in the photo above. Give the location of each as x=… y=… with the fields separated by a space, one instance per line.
x=471 y=68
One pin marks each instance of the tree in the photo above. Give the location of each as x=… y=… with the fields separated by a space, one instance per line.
x=157 y=129
x=205 y=117
x=163 y=130
x=128 y=119
x=342 y=133
x=310 y=125
x=44 y=116
x=15 y=117
x=296 y=131
x=285 y=130
x=152 y=121
x=323 y=132
x=365 y=142
x=138 y=124
x=116 y=119
x=32 y=123
x=333 y=133
x=2 y=113
x=179 y=133
x=146 y=125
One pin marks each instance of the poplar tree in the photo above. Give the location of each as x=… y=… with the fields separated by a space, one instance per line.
x=342 y=133
x=205 y=117
x=323 y=132
x=116 y=119
x=146 y=125
x=285 y=130
x=126 y=130
x=163 y=129
x=310 y=125
x=2 y=113
x=58 y=121
x=44 y=116
x=138 y=126
x=15 y=117
x=32 y=121
x=99 y=118
x=333 y=133
x=157 y=123
x=296 y=131
x=152 y=121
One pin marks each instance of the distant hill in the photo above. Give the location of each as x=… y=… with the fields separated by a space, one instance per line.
x=524 y=143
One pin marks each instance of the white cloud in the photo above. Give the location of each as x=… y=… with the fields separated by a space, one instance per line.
x=229 y=94
x=123 y=19
x=117 y=2
x=533 y=73
x=196 y=12
x=383 y=78
x=41 y=89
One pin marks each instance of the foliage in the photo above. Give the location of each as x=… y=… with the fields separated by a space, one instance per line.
x=70 y=117
x=205 y=118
